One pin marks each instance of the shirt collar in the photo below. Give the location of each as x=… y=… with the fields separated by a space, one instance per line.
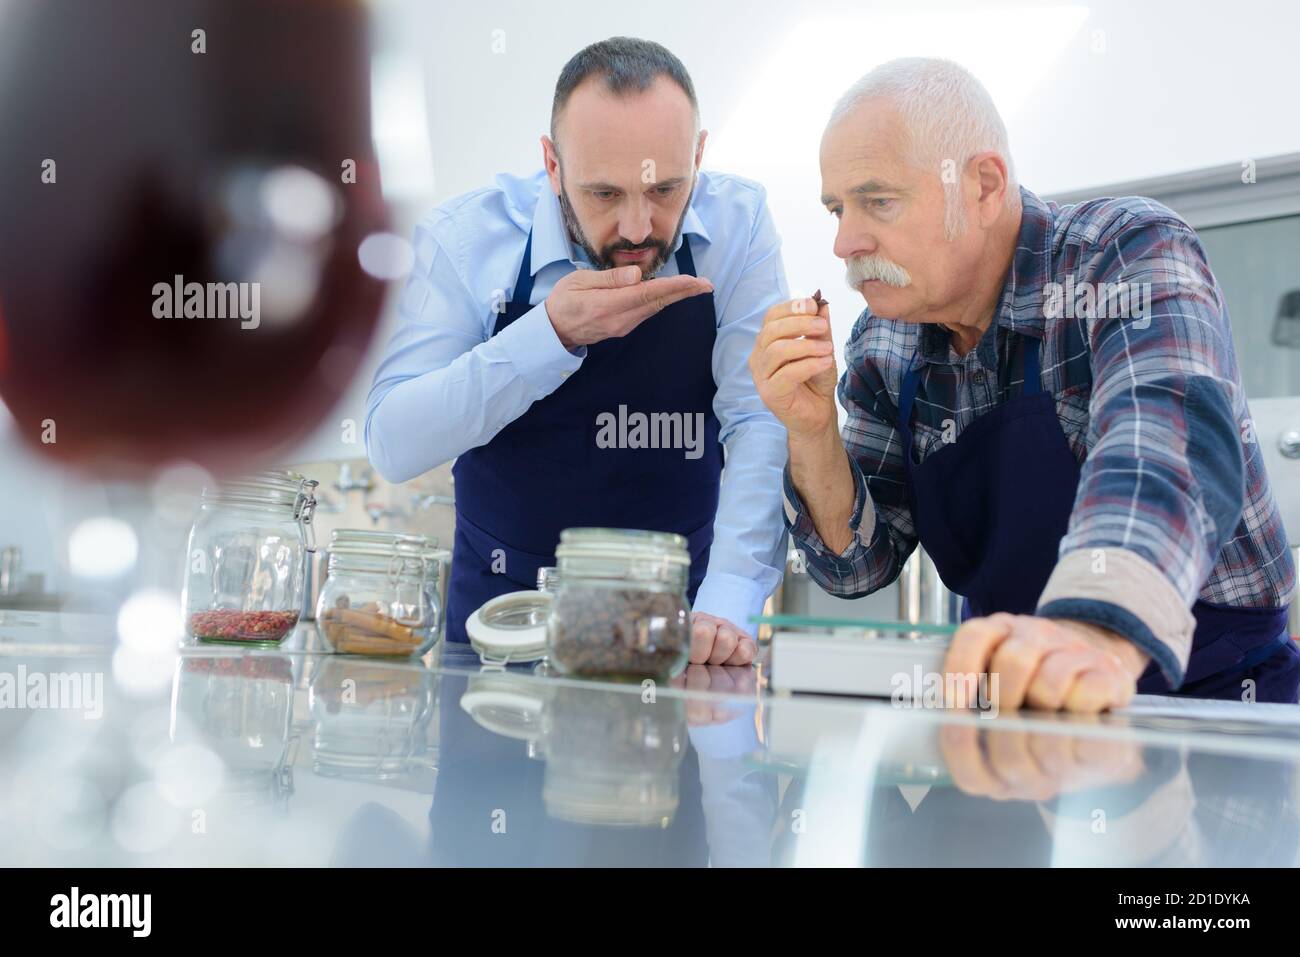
x=551 y=240
x=1020 y=306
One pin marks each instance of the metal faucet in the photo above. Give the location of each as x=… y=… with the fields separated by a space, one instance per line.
x=922 y=596
x=422 y=502
x=11 y=560
x=346 y=483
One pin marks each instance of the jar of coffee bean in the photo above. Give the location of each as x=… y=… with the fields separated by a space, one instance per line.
x=620 y=606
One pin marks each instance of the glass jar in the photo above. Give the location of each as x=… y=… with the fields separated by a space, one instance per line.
x=378 y=597
x=371 y=720
x=620 y=606
x=246 y=565
x=437 y=570
x=611 y=758
x=241 y=708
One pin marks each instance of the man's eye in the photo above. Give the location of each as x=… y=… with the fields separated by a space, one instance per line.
x=603 y=194
x=881 y=204
x=836 y=212
x=665 y=190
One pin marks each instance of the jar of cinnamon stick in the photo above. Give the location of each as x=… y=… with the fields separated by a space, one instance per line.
x=378 y=598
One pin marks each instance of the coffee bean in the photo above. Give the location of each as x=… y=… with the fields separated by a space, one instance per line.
x=618 y=632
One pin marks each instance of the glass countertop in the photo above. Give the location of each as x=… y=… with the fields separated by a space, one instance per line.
x=291 y=756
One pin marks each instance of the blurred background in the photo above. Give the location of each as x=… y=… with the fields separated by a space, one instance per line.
x=1192 y=103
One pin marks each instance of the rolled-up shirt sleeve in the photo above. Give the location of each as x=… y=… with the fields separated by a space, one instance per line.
x=1161 y=490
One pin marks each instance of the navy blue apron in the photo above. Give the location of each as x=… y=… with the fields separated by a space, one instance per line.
x=992 y=507
x=544 y=472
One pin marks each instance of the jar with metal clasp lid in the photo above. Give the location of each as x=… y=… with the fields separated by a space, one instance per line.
x=620 y=608
x=378 y=598
x=246 y=560
x=437 y=568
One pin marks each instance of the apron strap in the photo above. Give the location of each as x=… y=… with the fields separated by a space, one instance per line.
x=907 y=392
x=523 y=291
x=1033 y=369
x=685 y=261
x=906 y=398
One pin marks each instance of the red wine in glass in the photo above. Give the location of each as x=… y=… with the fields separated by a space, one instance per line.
x=185 y=185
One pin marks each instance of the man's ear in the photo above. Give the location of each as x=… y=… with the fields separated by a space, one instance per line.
x=699 y=149
x=988 y=171
x=551 y=163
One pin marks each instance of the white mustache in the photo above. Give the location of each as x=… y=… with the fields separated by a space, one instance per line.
x=865 y=268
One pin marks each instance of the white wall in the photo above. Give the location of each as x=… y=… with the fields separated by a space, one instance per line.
x=1092 y=93
x=1175 y=88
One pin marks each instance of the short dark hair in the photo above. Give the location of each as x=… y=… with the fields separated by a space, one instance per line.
x=627 y=65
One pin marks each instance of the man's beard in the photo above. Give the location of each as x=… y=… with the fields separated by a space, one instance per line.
x=604 y=259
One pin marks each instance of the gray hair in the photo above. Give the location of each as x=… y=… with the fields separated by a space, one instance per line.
x=947 y=116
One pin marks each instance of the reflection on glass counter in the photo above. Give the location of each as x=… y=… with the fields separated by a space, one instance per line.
x=370 y=721
x=295 y=757
x=240 y=708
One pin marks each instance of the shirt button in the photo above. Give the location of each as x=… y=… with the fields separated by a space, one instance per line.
x=979 y=375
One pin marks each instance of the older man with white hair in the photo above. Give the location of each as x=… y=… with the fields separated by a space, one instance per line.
x=1046 y=398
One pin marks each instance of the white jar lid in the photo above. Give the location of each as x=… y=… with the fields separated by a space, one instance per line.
x=511 y=627
x=504 y=705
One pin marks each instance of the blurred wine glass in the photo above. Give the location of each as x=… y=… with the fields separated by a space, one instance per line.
x=186 y=185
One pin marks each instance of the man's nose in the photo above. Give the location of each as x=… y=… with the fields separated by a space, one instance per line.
x=634 y=223
x=852 y=241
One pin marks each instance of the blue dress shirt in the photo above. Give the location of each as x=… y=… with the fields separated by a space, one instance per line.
x=447 y=385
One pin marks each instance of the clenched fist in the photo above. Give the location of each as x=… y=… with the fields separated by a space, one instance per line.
x=1048 y=664
x=589 y=305
x=717 y=641
x=793 y=364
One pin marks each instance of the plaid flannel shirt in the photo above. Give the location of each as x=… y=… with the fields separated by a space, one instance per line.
x=1173 y=502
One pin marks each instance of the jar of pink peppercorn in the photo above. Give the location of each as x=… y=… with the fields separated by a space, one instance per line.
x=246 y=560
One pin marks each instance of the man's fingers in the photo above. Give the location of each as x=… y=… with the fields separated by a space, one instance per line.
x=795 y=307
x=1014 y=761
x=790 y=350
x=1056 y=675
x=1015 y=661
x=745 y=652
x=655 y=297
x=698 y=678
x=702 y=632
x=610 y=278
x=724 y=643
x=973 y=645
x=1096 y=690
x=1054 y=753
x=655 y=292
x=967 y=765
x=791 y=327
x=800 y=371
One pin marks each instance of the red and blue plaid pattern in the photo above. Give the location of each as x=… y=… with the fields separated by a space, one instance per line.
x=1130 y=393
